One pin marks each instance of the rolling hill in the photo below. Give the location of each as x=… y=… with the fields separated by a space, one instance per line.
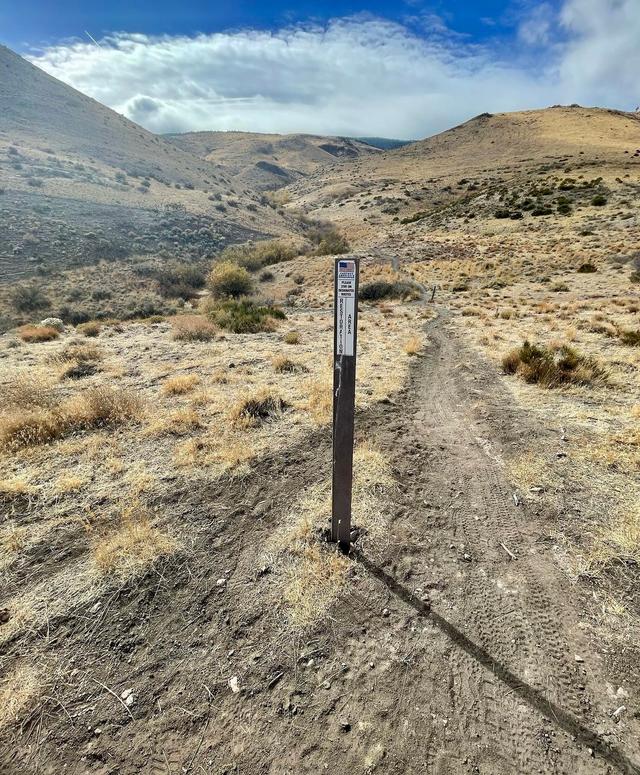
x=465 y=166
x=268 y=161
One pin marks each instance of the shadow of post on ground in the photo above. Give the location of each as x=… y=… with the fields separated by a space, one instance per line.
x=533 y=697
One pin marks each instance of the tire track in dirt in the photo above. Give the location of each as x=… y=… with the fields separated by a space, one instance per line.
x=529 y=638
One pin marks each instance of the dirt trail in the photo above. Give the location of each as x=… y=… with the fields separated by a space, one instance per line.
x=445 y=656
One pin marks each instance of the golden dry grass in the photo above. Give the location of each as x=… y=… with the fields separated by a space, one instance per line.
x=320 y=401
x=134 y=546
x=413 y=346
x=19 y=687
x=94 y=408
x=311 y=574
x=183 y=383
x=14 y=487
x=181 y=422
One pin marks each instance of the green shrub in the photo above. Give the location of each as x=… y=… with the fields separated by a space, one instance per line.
x=257 y=255
x=228 y=279
x=381 y=289
x=179 y=281
x=552 y=368
x=541 y=210
x=244 y=316
x=502 y=213
x=564 y=209
x=599 y=200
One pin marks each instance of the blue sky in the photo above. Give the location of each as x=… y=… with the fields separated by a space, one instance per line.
x=43 y=22
x=403 y=69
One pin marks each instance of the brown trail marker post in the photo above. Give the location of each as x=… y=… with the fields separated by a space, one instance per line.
x=345 y=339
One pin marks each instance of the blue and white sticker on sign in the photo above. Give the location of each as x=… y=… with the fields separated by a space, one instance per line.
x=345 y=307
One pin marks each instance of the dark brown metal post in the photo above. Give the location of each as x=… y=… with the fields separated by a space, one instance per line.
x=345 y=340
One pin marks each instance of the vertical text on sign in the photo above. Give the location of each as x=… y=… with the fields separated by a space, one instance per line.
x=346 y=304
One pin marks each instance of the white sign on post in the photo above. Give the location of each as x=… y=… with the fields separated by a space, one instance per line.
x=346 y=301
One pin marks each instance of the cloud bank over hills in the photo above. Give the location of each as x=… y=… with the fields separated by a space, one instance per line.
x=360 y=75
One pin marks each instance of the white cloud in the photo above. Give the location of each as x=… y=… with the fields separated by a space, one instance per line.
x=357 y=75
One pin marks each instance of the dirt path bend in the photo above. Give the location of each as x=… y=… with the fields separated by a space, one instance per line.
x=457 y=648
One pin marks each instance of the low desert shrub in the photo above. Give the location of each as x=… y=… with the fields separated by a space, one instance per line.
x=552 y=368
x=587 y=268
x=227 y=279
x=179 y=281
x=541 y=210
x=28 y=298
x=193 y=328
x=382 y=289
x=91 y=328
x=630 y=337
x=33 y=333
x=599 y=200
x=244 y=316
x=327 y=239
x=291 y=337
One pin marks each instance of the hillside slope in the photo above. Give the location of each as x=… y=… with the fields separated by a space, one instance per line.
x=471 y=164
x=268 y=161
x=79 y=182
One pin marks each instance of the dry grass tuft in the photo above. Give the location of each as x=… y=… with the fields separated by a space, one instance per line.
x=78 y=352
x=97 y=407
x=33 y=333
x=19 y=688
x=413 y=346
x=284 y=365
x=617 y=543
x=291 y=337
x=183 y=383
x=193 y=328
x=630 y=337
x=29 y=389
x=179 y=423
x=253 y=410
x=312 y=581
x=133 y=547
x=552 y=367
x=14 y=488
x=320 y=401
x=68 y=483
x=91 y=328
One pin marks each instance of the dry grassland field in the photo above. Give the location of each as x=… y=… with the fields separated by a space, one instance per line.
x=169 y=601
